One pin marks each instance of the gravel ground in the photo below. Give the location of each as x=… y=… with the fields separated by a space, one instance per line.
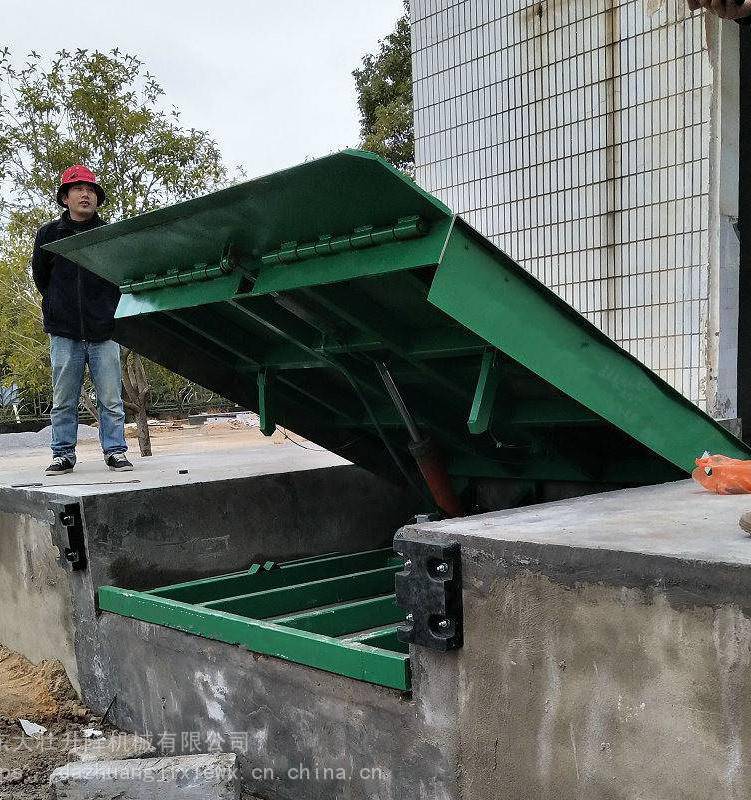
x=10 y=442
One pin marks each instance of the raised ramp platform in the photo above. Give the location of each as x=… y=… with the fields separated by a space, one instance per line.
x=291 y=294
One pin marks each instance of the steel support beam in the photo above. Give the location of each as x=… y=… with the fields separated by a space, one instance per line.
x=287 y=574
x=351 y=659
x=267 y=423
x=372 y=321
x=250 y=361
x=383 y=637
x=313 y=594
x=487 y=384
x=346 y=618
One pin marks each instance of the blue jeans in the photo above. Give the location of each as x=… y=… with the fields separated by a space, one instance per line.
x=69 y=357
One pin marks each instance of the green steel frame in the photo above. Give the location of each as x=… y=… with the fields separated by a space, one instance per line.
x=287 y=292
x=336 y=613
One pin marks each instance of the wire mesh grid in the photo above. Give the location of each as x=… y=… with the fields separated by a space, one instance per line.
x=575 y=134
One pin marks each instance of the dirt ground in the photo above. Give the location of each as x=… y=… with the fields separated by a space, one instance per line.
x=41 y=694
x=36 y=692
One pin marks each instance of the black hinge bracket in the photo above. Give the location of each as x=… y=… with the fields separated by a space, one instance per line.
x=69 y=516
x=429 y=589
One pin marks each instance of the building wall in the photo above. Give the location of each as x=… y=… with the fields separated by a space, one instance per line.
x=584 y=138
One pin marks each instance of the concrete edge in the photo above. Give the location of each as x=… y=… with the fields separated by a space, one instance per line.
x=687 y=582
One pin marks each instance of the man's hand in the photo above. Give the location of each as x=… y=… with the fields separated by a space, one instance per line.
x=727 y=9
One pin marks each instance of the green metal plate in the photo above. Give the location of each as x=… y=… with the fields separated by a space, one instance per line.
x=256 y=217
x=509 y=380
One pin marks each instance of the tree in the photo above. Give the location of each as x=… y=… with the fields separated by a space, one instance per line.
x=136 y=398
x=24 y=349
x=103 y=110
x=99 y=109
x=384 y=97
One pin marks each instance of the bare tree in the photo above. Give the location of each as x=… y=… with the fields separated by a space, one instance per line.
x=136 y=396
x=87 y=402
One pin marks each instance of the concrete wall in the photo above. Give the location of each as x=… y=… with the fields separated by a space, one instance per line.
x=148 y=537
x=602 y=692
x=607 y=649
x=36 y=612
x=279 y=717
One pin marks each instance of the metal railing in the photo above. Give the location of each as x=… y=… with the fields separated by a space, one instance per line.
x=28 y=406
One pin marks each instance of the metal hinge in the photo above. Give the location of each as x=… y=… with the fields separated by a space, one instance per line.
x=69 y=516
x=365 y=236
x=430 y=590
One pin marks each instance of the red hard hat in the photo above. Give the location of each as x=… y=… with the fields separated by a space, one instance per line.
x=80 y=174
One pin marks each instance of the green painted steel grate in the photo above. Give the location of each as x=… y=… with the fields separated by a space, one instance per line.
x=336 y=613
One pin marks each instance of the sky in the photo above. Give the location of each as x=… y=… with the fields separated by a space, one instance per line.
x=271 y=81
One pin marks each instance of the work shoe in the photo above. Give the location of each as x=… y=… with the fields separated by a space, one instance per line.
x=745 y=522
x=118 y=463
x=60 y=466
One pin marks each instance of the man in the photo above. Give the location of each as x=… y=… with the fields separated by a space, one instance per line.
x=726 y=9
x=79 y=310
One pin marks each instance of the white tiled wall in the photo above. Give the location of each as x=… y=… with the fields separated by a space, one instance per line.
x=576 y=135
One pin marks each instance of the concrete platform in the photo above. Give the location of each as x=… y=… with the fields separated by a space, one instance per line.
x=607 y=639
x=673 y=520
x=162 y=470
x=234 y=507
x=607 y=648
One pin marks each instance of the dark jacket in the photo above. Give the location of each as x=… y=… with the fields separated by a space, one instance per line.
x=75 y=303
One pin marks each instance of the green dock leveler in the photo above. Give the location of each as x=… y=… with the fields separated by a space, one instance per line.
x=341 y=301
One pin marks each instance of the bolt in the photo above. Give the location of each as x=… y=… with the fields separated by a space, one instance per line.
x=443 y=624
x=408 y=564
x=442 y=568
x=410 y=617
